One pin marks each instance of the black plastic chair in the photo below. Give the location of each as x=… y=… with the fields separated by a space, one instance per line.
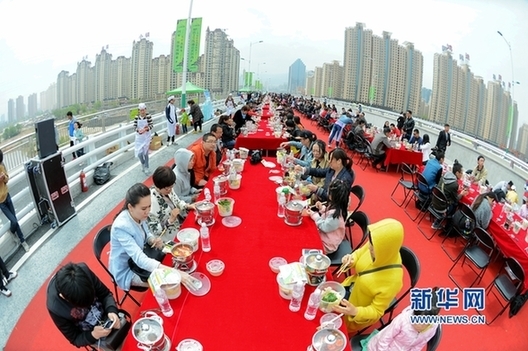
x=359 y=193
x=437 y=209
x=463 y=223
x=406 y=182
x=412 y=266
x=432 y=344
x=101 y=240
x=479 y=252
x=508 y=284
x=360 y=219
x=420 y=196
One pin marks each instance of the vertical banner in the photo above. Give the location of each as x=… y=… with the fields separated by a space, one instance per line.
x=372 y=93
x=194 y=44
x=330 y=92
x=178 y=45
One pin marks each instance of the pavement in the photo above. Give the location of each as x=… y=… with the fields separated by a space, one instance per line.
x=49 y=247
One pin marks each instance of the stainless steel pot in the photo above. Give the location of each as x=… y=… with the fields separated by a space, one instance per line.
x=149 y=334
x=316 y=266
x=182 y=253
x=293 y=212
x=328 y=339
x=222 y=183
x=205 y=212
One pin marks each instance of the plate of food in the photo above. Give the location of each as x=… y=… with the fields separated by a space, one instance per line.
x=276 y=179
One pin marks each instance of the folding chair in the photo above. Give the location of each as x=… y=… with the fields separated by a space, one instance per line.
x=437 y=210
x=406 y=182
x=420 y=196
x=463 y=223
x=101 y=240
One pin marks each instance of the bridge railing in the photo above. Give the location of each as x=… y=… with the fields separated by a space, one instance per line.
x=115 y=145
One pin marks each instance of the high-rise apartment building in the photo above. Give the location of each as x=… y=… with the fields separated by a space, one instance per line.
x=63 y=89
x=140 y=63
x=514 y=127
x=495 y=118
x=310 y=82
x=102 y=74
x=11 y=112
x=160 y=76
x=121 y=76
x=221 y=62
x=297 y=77
x=48 y=98
x=332 y=80
x=32 y=105
x=379 y=71
x=85 y=82
x=318 y=81
x=445 y=90
x=522 y=141
x=20 y=108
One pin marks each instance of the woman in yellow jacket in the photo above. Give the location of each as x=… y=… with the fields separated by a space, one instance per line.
x=378 y=275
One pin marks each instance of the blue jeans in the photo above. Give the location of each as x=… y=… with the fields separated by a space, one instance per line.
x=9 y=211
x=335 y=134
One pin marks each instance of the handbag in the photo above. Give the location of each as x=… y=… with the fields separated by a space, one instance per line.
x=117 y=336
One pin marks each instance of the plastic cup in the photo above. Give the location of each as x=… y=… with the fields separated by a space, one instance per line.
x=235 y=183
x=285 y=290
x=215 y=267
x=225 y=206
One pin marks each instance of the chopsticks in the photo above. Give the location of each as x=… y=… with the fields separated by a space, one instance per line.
x=159 y=236
x=344 y=267
x=330 y=321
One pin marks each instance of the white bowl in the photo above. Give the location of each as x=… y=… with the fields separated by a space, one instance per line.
x=215 y=267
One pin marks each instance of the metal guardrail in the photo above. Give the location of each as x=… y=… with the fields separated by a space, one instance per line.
x=95 y=147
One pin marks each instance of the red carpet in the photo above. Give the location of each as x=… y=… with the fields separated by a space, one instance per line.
x=503 y=334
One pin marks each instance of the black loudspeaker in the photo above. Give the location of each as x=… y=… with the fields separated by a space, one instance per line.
x=46 y=142
x=50 y=189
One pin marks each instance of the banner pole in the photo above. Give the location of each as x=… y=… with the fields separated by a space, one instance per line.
x=185 y=57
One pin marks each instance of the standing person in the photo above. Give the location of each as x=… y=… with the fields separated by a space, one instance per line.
x=79 y=136
x=143 y=125
x=6 y=277
x=240 y=118
x=400 y=121
x=6 y=204
x=408 y=125
x=337 y=129
x=78 y=303
x=230 y=105
x=172 y=120
x=184 y=120
x=71 y=130
x=444 y=139
x=197 y=115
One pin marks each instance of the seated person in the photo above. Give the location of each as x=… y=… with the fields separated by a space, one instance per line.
x=241 y=117
x=298 y=123
x=129 y=235
x=330 y=220
x=482 y=208
x=167 y=211
x=183 y=165
x=339 y=167
x=379 y=145
x=402 y=334
x=228 y=132
x=217 y=131
x=449 y=185
x=479 y=173
x=291 y=129
x=319 y=160
x=425 y=148
x=511 y=196
x=305 y=143
x=415 y=138
x=523 y=211
x=395 y=132
x=501 y=188
x=432 y=172
x=78 y=303
x=359 y=129
x=373 y=291
x=204 y=160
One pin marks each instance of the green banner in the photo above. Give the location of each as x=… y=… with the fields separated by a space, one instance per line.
x=178 y=46
x=372 y=93
x=330 y=92
x=194 y=44
x=248 y=79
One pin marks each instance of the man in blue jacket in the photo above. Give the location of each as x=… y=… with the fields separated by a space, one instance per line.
x=432 y=172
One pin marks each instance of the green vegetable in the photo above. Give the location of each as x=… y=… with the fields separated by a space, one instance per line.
x=285 y=191
x=330 y=297
x=224 y=203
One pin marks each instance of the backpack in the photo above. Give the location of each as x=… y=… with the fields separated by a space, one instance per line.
x=102 y=173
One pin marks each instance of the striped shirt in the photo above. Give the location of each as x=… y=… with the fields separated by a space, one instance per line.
x=149 y=121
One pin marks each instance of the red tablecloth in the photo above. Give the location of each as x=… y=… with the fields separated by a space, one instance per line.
x=243 y=310
x=511 y=244
x=259 y=140
x=401 y=155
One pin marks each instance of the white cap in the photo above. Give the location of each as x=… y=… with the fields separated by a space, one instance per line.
x=513 y=187
x=142 y=106
x=170 y=98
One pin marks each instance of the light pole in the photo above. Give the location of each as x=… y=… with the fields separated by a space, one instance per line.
x=250 y=47
x=185 y=56
x=510 y=117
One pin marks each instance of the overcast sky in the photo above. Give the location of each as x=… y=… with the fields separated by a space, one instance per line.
x=38 y=39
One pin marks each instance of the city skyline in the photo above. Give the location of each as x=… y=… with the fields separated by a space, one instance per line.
x=468 y=29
